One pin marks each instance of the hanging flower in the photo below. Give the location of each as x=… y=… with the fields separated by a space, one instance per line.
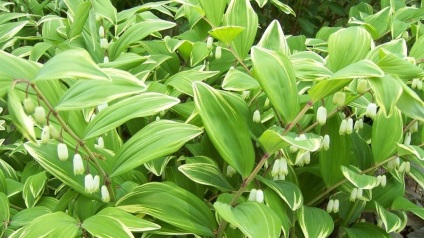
x=362 y=86
x=89 y=183
x=45 y=134
x=105 y=194
x=230 y=171
x=359 y=124
x=40 y=115
x=29 y=106
x=259 y=196
x=209 y=43
x=78 y=165
x=339 y=99
x=96 y=183
x=53 y=132
x=371 y=110
x=354 y=194
x=218 y=52
x=101 y=32
x=104 y=44
x=343 y=127
x=256 y=116
x=336 y=205
x=252 y=195
x=407 y=140
x=100 y=143
x=321 y=115
x=349 y=126
x=330 y=206
x=326 y=142
x=62 y=151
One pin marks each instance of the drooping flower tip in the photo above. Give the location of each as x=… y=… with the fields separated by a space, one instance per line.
x=259 y=196
x=414 y=127
x=100 y=143
x=209 y=43
x=256 y=116
x=29 y=106
x=362 y=86
x=101 y=32
x=336 y=205
x=230 y=171
x=416 y=84
x=252 y=195
x=105 y=194
x=53 y=132
x=349 y=126
x=408 y=137
x=104 y=44
x=354 y=194
x=359 y=124
x=45 y=134
x=343 y=127
x=89 y=183
x=40 y=115
x=321 y=115
x=383 y=180
x=78 y=165
x=371 y=110
x=326 y=142
x=330 y=206
x=339 y=99
x=245 y=94
x=96 y=183
x=218 y=52
x=62 y=151
x=106 y=59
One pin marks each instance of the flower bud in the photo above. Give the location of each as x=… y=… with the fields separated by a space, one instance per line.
x=321 y=115
x=407 y=167
x=293 y=149
x=102 y=32
x=230 y=171
x=96 y=183
x=256 y=116
x=245 y=94
x=62 y=151
x=354 y=194
x=252 y=195
x=40 y=115
x=104 y=44
x=275 y=168
x=283 y=170
x=330 y=206
x=371 y=110
x=349 y=126
x=266 y=104
x=105 y=194
x=53 y=132
x=218 y=52
x=78 y=165
x=45 y=134
x=29 y=106
x=359 y=193
x=407 y=140
x=359 y=124
x=106 y=59
x=209 y=43
x=326 y=142
x=343 y=127
x=414 y=83
x=100 y=143
x=339 y=99
x=383 y=181
x=259 y=196
x=336 y=205
x=414 y=127
x=362 y=86
x=88 y=183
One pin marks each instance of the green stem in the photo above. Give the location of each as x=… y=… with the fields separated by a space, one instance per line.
x=298 y=117
x=326 y=192
x=80 y=142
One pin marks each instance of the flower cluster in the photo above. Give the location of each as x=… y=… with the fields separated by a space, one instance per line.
x=279 y=169
x=333 y=205
x=256 y=195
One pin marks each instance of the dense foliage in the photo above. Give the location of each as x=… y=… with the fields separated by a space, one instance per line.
x=184 y=118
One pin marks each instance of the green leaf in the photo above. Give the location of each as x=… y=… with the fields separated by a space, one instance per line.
x=342 y=43
x=417 y=50
x=226 y=34
x=182 y=81
x=401 y=203
x=89 y=93
x=4 y=212
x=340 y=148
x=71 y=64
x=9 y=30
x=360 y=180
x=214 y=10
x=308 y=217
x=236 y=80
x=273 y=200
x=34 y=188
x=12 y=67
x=275 y=75
x=207 y=174
x=360 y=69
x=272 y=141
x=391 y=221
x=387 y=91
x=26 y=216
x=20 y=119
x=283 y=7
x=309 y=66
x=362 y=229
x=58 y=224
x=171 y=204
x=199 y=53
x=157 y=139
x=273 y=39
x=384 y=141
x=135 y=33
x=252 y=218
x=105 y=9
x=392 y=64
x=240 y=13
x=287 y=191
x=410 y=103
x=145 y=104
x=81 y=16
x=226 y=128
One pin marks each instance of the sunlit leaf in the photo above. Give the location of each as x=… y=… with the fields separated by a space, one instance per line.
x=308 y=217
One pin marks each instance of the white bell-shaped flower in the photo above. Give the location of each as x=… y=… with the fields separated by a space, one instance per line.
x=105 y=194
x=339 y=99
x=78 y=164
x=45 y=134
x=256 y=116
x=321 y=115
x=40 y=115
x=62 y=151
x=371 y=110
